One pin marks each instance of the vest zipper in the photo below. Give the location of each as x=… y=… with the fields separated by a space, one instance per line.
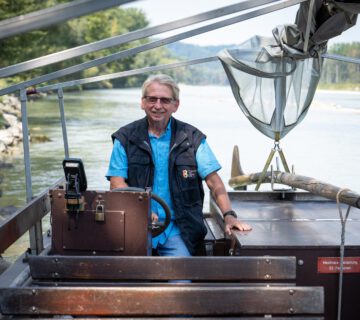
x=148 y=146
x=150 y=179
x=175 y=145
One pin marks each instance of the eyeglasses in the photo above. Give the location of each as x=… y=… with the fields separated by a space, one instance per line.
x=163 y=100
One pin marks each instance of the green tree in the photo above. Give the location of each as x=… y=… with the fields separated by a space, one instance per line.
x=80 y=31
x=338 y=74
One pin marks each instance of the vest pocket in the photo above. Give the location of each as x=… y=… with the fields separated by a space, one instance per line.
x=191 y=196
x=188 y=182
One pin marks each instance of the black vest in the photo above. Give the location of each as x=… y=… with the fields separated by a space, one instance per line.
x=185 y=184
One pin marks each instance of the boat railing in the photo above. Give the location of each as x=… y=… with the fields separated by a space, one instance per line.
x=24 y=219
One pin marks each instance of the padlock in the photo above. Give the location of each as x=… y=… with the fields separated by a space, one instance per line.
x=100 y=213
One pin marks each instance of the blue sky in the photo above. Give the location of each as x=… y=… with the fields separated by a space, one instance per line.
x=161 y=11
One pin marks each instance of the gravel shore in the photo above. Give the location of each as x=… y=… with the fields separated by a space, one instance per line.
x=10 y=125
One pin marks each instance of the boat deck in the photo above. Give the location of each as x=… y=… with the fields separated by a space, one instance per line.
x=295 y=219
x=307 y=227
x=286 y=267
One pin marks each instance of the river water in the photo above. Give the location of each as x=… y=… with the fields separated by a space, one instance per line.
x=325 y=145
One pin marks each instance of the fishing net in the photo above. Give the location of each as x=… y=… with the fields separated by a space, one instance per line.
x=273 y=90
x=274 y=79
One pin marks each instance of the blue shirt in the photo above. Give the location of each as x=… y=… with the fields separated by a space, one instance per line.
x=118 y=167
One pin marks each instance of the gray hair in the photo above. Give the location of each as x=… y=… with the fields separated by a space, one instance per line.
x=162 y=79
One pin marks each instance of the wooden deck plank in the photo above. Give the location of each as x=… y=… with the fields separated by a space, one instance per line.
x=163 y=268
x=176 y=300
x=197 y=318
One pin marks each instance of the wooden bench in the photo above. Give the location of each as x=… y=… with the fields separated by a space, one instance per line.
x=236 y=287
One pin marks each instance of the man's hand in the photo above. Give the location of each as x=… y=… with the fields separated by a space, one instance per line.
x=117 y=182
x=232 y=222
x=221 y=197
x=154 y=217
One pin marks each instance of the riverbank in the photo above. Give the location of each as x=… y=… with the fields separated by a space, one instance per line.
x=10 y=125
x=353 y=87
x=10 y=142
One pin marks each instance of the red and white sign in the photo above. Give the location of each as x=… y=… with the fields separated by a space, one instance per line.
x=332 y=265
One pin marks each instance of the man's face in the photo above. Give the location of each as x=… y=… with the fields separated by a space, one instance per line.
x=159 y=111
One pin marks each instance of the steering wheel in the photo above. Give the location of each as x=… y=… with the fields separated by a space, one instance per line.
x=156 y=227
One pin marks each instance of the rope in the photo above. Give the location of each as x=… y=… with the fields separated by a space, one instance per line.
x=342 y=247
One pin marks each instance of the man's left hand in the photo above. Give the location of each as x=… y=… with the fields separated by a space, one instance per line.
x=232 y=222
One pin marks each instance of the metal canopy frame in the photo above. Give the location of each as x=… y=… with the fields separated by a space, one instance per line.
x=341 y=58
x=131 y=36
x=123 y=74
x=53 y=15
x=122 y=54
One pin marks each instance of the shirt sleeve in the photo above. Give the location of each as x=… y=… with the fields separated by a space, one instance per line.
x=206 y=160
x=118 y=165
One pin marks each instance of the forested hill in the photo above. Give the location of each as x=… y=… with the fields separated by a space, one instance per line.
x=335 y=74
x=191 y=51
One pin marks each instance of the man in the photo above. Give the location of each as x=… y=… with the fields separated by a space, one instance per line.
x=171 y=157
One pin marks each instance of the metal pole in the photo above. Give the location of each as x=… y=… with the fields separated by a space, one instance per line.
x=26 y=148
x=280 y=105
x=341 y=58
x=308 y=25
x=263 y=173
x=283 y=160
x=280 y=99
x=35 y=232
x=122 y=74
x=53 y=15
x=63 y=121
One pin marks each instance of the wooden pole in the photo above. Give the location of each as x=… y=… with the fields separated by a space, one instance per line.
x=312 y=185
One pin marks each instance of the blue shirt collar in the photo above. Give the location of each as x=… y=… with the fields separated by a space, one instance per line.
x=168 y=128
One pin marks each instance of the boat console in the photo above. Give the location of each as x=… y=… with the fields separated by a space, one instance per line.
x=105 y=223
x=90 y=222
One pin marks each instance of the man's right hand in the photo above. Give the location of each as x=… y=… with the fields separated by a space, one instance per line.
x=154 y=217
x=231 y=222
x=117 y=182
